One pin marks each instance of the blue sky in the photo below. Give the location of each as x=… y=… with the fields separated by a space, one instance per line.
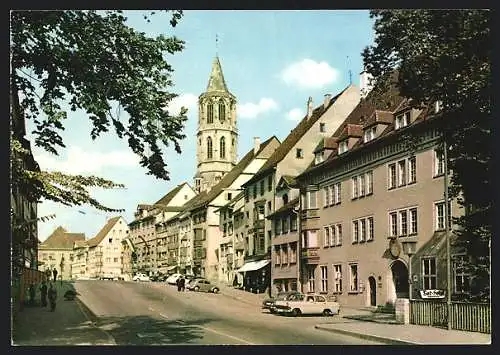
x=272 y=62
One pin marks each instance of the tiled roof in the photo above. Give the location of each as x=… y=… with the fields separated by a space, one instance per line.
x=61 y=239
x=165 y=200
x=294 y=136
x=351 y=130
x=103 y=232
x=326 y=143
x=226 y=181
x=379 y=116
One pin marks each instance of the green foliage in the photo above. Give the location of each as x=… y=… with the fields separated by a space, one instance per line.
x=90 y=60
x=445 y=55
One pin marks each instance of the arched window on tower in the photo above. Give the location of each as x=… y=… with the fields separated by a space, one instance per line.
x=210 y=113
x=222 y=110
x=209 y=148
x=223 y=148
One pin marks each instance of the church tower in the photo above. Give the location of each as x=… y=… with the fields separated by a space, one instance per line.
x=217 y=135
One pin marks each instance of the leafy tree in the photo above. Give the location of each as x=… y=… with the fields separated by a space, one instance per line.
x=445 y=55
x=62 y=61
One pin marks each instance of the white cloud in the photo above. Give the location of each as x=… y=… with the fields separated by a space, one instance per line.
x=189 y=101
x=295 y=114
x=251 y=110
x=309 y=74
x=79 y=161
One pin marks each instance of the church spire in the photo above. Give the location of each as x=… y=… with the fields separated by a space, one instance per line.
x=216 y=81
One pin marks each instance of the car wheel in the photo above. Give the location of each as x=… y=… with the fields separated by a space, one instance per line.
x=215 y=290
x=296 y=312
x=327 y=313
x=196 y=289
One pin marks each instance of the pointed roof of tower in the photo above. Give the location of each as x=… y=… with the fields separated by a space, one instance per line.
x=216 y=81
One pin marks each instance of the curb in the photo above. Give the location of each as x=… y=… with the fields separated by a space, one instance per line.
x=92 y=318
x=354 y=317
x=385 y=340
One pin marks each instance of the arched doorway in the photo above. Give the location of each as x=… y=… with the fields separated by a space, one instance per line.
x=400 y=279
x=373 y=291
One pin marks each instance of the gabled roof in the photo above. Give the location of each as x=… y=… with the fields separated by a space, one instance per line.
x=326 y=143
x=351 y=130
x=298 y=132
x=103 y=232
x=285 y=180
x=61 y=239
x=165 y=200
x=226 y=181
x=379 y=116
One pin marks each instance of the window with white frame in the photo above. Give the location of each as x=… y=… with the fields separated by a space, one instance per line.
x=439 y=215
x=438 y=162
x=310 y=239
x=277 y=254
x=293 y=222
x=324 y=278
x=353 y=278
x=392 y=175
x=369 y=182
x=461 y=275
x=370 y=229
x=310 y=200
x=412 y=170
x=403 y=222
x=310 y=278
x=343 y=147
x=402 y=120
x=362 y=186
x=429 y=275
x=293 y=253
x=402 y=172
x=369 y=134
x=326 y=237
x=338 y=193
x=277 y=226
x=284 y=254
x=362 y=228
x=327 y=195
x=355 y=231
x=319 y=157
x=331 y=193
x=355 y=187
x=284 y=225
x=337 y=278
x=338 y=234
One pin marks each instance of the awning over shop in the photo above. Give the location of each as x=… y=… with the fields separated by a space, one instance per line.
x=253 y=265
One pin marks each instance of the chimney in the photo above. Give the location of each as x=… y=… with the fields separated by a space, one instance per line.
x=365 y=83
x=309 y=107
x=328 y=97
x=256 y=144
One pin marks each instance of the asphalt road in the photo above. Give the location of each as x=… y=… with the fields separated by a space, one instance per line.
x=156 y=314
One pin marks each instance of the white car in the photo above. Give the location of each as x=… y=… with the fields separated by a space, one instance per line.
x=140 y=277
x=307 y=304
x=172 y=279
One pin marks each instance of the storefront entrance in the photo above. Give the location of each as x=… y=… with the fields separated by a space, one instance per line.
x=373 y=291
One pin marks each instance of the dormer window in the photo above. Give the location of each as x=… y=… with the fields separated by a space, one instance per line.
x=319 y=157
x=322 y=127
x=369 y=134
x=402 y=120
x=343 y=147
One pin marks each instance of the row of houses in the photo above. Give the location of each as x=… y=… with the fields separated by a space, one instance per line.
x=326 y=210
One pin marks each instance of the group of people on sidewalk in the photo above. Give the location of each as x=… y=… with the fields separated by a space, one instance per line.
x=46 y=292
x=181 y=284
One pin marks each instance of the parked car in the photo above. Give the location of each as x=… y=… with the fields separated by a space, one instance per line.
x=203 y=285
x=269 y=303
x=191 y=282
x=141 y=277
x=172 y=279
x=307 y=304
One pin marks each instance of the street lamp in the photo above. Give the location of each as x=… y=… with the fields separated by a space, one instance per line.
x=409 y=248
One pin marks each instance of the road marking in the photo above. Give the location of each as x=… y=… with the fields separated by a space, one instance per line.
x=150 y=335
x=163 y=315
x=180 y=321
x=226 y=335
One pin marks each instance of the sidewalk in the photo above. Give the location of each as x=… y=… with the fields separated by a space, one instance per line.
x=69 y=324
x=406 y=334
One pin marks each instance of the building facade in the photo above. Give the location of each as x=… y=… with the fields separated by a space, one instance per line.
x=381 y=185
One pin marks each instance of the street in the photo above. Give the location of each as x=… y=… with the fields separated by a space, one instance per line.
x=136 y=313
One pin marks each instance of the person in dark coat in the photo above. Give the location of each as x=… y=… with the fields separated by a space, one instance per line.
x=182 y=282
x=43 y=293
x=178 y=282
x=52 y=297
x=32 y=292
x=54 y=273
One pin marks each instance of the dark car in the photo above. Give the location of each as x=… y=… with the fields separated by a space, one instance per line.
x=268 y=303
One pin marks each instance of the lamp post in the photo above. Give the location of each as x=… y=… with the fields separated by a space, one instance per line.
x=409 y=248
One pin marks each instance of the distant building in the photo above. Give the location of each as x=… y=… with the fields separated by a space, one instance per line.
x=57 y=252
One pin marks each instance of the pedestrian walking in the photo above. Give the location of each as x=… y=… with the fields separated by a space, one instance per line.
x=32 y=292
x=54 y=273
x=182 y=282
x=178 y=282
x=43 y=293
x=52 y=297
